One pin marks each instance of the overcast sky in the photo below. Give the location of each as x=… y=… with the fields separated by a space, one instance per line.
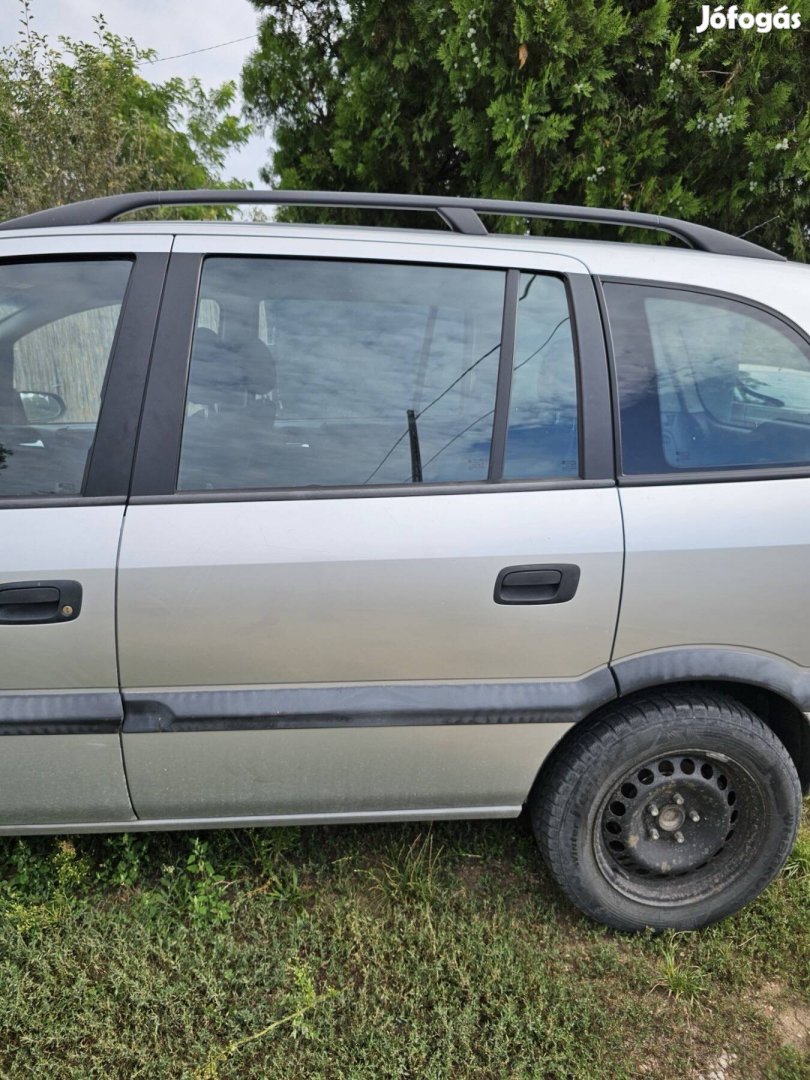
x=169 y=28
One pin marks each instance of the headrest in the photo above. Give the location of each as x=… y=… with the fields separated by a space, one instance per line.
x=258 y=365
x=223 y=372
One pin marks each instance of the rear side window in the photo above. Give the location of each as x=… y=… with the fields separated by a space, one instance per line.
x=706 y=382
x=58 y=322
x=326 y=373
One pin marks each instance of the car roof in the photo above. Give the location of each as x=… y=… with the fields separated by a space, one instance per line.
x=780 y=285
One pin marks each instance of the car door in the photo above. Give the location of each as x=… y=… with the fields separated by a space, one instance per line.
x=77 y=316
x=372 y=560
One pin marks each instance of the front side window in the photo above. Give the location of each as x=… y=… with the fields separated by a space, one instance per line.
x=706 y=382
x=58 y=321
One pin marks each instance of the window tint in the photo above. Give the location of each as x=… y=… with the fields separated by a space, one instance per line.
x=542 y=440
x=706 y=382
x=338 y=373
x=57 y=326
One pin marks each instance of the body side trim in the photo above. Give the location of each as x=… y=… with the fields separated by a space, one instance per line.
x=687 y=663
x=60 y=713
x=451 y=813
x=395 y=705
x=382 y=491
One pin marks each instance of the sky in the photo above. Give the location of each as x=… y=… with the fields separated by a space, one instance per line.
x=168 y=28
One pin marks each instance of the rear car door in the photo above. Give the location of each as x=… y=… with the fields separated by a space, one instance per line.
x=77 y=316
x=372 y=559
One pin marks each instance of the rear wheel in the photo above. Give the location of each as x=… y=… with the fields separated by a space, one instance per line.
x=670 y=811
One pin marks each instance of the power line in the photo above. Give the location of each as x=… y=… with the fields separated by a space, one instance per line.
x=422 y=412
x=193 y=52
x=517 y=367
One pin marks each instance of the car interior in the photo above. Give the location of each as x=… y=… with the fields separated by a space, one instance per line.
x=56 y=335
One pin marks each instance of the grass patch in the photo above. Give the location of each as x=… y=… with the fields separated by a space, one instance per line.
x=399 y=951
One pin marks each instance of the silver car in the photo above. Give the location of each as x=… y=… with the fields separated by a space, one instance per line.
x=334 y=524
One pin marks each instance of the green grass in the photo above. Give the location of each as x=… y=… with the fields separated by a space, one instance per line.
x=378 y=951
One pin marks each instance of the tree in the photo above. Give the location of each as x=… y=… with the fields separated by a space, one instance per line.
x=79 y=121
x=597 y=102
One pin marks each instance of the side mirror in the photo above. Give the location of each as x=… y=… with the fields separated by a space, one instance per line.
x=41 y=407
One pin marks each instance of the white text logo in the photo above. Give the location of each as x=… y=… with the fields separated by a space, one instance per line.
x=731 y=18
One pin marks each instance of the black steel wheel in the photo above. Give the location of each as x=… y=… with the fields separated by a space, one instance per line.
x=671 y=811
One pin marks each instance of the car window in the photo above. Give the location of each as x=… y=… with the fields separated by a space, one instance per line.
x=542 y=438
x=327 y=373
x=55 y=343
x=706 y=382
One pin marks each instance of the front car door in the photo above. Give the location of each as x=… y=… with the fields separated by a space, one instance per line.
x=373 y=556
x=77 y=317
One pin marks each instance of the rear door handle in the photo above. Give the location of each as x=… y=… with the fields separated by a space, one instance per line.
x=538 y=584
x=40 y=601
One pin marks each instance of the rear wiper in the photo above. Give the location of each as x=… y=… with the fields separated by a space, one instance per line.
x=416 y=456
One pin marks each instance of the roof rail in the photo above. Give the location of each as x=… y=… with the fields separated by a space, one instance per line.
x=459 y=213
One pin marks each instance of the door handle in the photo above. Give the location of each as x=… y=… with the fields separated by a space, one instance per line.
x=40 y=601
x=537 y=584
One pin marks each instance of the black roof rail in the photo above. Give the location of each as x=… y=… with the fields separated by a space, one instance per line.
x=460 y=214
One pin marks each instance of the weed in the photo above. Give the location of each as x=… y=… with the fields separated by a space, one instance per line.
x=682 y=979
x=126 y=855
x=788 y=1064
x=178 y=954
x=798 y=865
x=302 y=999
x=195 y=886
x=411 y=875
x=268 y=845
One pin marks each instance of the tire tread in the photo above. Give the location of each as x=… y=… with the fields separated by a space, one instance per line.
x=589 y=748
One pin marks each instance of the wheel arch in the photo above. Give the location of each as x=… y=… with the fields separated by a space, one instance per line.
x=775 y=689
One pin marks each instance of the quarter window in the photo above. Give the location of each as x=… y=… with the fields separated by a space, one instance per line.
x=706 y=382
x=57 y=326
x=327 y=374
x=542 y=438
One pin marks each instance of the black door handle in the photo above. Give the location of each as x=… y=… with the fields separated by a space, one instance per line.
x=538 y=584
x=40 y=601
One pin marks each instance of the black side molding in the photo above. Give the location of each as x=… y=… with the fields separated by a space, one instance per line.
x=726 y=665
x=78 y=713
x=395 y=705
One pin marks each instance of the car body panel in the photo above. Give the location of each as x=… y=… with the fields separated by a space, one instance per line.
x=62 y=542
x=721 y=564
x=53 y=778
x=345 y=771
x=353 y=590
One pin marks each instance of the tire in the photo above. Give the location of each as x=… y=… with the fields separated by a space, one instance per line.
x=668 y=811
